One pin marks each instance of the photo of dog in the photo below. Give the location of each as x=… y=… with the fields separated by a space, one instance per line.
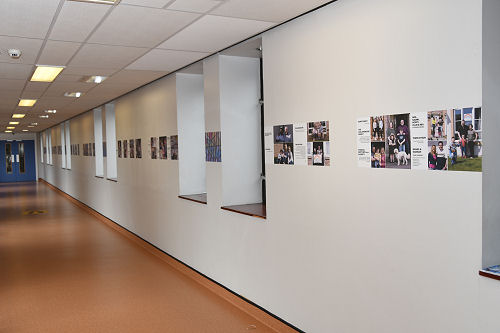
x=401 y=156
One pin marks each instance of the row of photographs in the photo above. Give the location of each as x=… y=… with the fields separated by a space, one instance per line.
x=434 y=140
x=159 y=148
x=307 y=144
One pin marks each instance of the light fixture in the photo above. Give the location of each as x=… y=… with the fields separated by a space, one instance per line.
x=44 y=116
x=13 y=123
x=18 y=115
x=8 y=131
x=46 y=73
x=25 y=130
x=73 y=94
x=50 y=111
x=27 y=102
x=105 y=2
x=94 y=79
x=33 y=124
x=10 y=127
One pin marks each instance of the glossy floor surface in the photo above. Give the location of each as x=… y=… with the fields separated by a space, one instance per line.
x=62 y=270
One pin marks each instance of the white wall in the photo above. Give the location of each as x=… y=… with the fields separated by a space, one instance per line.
x=335 y=254
x=191 y=130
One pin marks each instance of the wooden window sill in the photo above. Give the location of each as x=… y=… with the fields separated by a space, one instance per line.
x=254 y=210
x=489 y=275
x=199 y=198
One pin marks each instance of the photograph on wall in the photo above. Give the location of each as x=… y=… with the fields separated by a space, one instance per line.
x=438 y=132
x=163 y=147
x=154 y=147
x=104 y=149
x=85 y=149
x=125 y=148
x=138 y=148
x=132 y=149
x=213 y=147
x=59 y=150
x=363 y=142
x=466 y=137
x=119 y=148
x=418 y=130
x=397 y=141
x=378 y=156
x=174 y=147
x=93 y=149
x=78 y=149
x=318 y=143
x=300 y=143
x=283 y=144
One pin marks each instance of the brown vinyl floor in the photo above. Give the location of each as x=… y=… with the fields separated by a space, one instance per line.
x=65 y=271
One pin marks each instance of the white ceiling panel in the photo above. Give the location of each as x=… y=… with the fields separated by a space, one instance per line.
x=57 y=89
x=26 y=18
x=28 y=46
x=37 y=86
x=27 y=94
x=213 y=33
x=140 y=26
x=58 y=53
x=196 y=6
x=68 y=78
x=266 y=10
x=146 y=3
x=166 y=60
x=84 y=71
x=12 y=85
x=133 y=77
x=106 y=56
x=15 y=71
x=77 y=20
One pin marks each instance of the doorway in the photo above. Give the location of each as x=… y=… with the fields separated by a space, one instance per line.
x=17 y=161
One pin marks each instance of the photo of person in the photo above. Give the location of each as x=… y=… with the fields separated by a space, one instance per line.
x=318 y=131
x=125 y=149
x=138 y=148
x=283 y=133
x=437 y=124
x=119 y=148
x=438 y=132
x=465 y=139
x=154 y=145
x=378 y=156
x=132 y=149
x=438 y=157
x=163 y=147
x=212 y=147
x=283 y=153
x=174 y=147
x=318 y=153
x=85 y=149
x=397 y=143
x=377 y=128
x=93 y=149
x=104 y=149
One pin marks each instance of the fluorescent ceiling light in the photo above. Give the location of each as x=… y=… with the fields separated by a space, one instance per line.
x=94 y=79
x=25 y=130
x=73 y=94
x=8 y=131
x=27 y=102
x=34 y=124
x=18 y=115
x=44 y=116
x=13 y=123
x=106 y=2
x=31 y=126
x=50 y=111
x=46 y=73
x=10 y=127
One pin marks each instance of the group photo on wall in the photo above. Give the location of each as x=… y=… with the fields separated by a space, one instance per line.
x=283 y=144
x=390 y=141
x=318 y=143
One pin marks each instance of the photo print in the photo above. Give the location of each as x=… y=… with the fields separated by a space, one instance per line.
x=154 y=147
x=438 y=132
x=93 y=149
x=318 y=143
x=174 y=147
x=397 y=140
x=212 y=147
x=132 y=149
x=466 y=137
x=378 y=156
x=119 y=148
x=104 y=149
x=138 y=148
x=85 y=149
x=283 y=144
x=125 y=149
x=163 y=147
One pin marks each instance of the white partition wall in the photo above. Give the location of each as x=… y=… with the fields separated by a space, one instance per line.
x=99 y=159
x=111 y=165
x=191 y=131
x=41 y=139
x=63 y=146
x=239 y=84
x=67 y=138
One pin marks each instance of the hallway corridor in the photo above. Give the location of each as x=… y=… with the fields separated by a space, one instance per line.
x=62 y=270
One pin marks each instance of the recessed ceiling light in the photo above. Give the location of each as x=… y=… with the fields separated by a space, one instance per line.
x=44 y=116
x=46 y=73
x=50 y=111
x=27 y=102
x=94 y=79
x=8 y=131
x=13 y=123
x=33 y=124
x=18 y=115
x=73 y=94
x=10 y=127
x=25 y=130
x=106 y=2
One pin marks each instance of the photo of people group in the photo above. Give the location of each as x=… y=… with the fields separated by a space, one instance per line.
x=390 y=141
x=318 y=143
x=119 y=148
x=85 y=149
x=104 y=149
x=174 y=147
x=138 y=148
x=125 y=148
x=154 y=145
x=163 y=148
x=283 y=144
x=455 y=139
x=132 y=149
x=212 y=147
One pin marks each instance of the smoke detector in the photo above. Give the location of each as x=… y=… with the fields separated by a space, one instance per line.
x=14 y=53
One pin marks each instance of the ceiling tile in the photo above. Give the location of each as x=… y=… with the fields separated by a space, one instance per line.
x=29 y=49
x=265 y=10
x=196 y=6
x=58 y=53
x=68 y=78
x=137 y=77
x=84 y=71
x=14 y=86
x=26 y=18
x=15 y=71
x=105 y=56
x=211 y=33
x=57 y=89
x=77 y=20
x=36 y=87
x=146 y=3
x=140 y=26
x=166 y=60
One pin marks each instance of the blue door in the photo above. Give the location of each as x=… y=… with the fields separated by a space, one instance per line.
x=17 y=162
